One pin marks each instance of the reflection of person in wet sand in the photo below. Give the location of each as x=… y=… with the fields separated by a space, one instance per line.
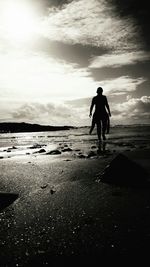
x=101 y=115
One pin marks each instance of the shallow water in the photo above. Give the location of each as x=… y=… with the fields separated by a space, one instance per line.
x=120 y=138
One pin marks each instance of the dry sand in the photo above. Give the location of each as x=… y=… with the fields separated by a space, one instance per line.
x=64 y=209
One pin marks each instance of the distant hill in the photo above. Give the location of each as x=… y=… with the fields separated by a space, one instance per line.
x=16 y=127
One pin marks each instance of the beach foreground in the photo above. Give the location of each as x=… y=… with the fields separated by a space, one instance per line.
x=63 y=204
x=63 y=209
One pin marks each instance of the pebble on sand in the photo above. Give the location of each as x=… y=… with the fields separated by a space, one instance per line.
x=66 y=149
x=44 y=186
x=35 y=146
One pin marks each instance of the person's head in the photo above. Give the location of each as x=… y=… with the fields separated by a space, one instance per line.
x=99 y=90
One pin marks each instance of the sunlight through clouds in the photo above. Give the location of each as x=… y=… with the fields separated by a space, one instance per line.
x=19 y=21
x=36 y=76
x=55 y=52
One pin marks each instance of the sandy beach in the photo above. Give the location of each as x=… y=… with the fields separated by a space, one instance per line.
x=65 y=210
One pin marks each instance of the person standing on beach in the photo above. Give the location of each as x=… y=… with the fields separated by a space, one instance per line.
x=101 y=115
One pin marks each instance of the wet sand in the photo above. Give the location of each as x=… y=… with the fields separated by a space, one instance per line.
x=64 y=211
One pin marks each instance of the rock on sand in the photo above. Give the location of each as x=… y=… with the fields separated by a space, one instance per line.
x=123 y=171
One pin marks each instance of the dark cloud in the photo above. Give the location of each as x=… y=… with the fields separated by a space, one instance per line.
x=50 y=3
x=141 y=69
x=115 y=99
x=43 y=6
x=143 y=105
x=72 y=53
x=139 y=10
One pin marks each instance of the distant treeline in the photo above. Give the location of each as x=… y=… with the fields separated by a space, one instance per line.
x=14 y=127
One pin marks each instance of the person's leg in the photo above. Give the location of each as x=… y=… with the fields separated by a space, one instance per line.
x=104 y=126
x=108 y=125
x=99 y=130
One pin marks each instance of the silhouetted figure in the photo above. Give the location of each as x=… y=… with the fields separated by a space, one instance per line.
x=101 y=115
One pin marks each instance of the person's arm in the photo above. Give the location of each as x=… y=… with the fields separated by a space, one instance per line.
x=107 y=106
x=91 y=107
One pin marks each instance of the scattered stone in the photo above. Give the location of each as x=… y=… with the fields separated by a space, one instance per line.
x=53 y=152
x=91 y=154
x=52 y=191
x=81 y=156
x=27 y=153
x=66 y=149
x=35 y=146
x=67 y=160
x=1 y=157
x=93 y=147
x=65 y=145
x=14 y=147
x=42 y=151
x=44 y=186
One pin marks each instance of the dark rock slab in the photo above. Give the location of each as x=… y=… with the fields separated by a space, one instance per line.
x=68 y=149
x=53 y=152
x=125 y=172
x=40 y=151
x=6 y=199
x=82 y=156
x=35 y=146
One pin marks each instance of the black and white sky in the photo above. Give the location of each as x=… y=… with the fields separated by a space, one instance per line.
x=55 y=53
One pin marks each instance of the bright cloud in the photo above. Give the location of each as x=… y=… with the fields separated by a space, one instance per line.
x=135 y=110
x=121 y=85
x=117 y=60
x=91 y=22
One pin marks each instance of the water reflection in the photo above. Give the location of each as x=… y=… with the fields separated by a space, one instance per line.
x=101 y=148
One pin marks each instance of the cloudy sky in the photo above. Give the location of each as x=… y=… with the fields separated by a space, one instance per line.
x=55 y=53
